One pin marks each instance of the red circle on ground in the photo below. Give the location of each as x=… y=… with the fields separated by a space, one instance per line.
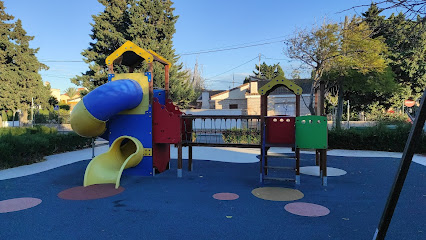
x=90 y=192
x=225 y=196
x=307 y=209
x=17 y=204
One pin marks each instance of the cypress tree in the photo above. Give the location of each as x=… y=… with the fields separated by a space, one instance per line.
x=147 y=23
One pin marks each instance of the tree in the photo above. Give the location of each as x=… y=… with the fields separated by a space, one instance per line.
x=410 y=7
x=358 y=53
x=315 y=49
x=8 y=99
x=339 y=50
x=20 y=82
x=53 y=101
x=71 y=92
x=27 y=67
x=295 y=74
x=147 y=23
x=269 y=71
x=406 y=40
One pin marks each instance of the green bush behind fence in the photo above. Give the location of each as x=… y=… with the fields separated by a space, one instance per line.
x=378 y=138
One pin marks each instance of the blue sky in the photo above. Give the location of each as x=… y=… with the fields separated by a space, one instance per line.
x=62 y=28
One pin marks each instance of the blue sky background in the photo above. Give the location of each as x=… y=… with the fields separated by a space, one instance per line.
x=62 y=28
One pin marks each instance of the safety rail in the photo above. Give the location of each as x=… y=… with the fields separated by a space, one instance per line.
x=221 y=130
x=241 y=131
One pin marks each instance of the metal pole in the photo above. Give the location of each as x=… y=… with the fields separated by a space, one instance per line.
x=259 y=67
x=407 y=157
x=348 y=115
x=32 y=111
x=93 y=148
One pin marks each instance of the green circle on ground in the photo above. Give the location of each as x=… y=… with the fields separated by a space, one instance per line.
x=277 y=194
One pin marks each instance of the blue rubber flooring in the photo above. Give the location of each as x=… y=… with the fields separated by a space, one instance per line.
x=165 y=207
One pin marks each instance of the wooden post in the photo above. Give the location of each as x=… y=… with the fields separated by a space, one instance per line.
x=323 y=163
x=179 y=170
x=297 y=150
x=322 y=152
x=263 y=114
x=166 y=80
x=317 y=158
x=189 y=158
x=151 y=83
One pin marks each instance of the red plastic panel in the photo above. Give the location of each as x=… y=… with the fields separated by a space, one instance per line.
x=280 y=129
x=186 y=124
x=161 y=156
x=166 y=127
x=173 y=108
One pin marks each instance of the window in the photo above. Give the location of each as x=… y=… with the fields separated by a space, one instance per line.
x=233 y=106
x=284 y=109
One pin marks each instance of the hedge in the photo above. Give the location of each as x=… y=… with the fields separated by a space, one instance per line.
x=379 y=138
x=23 y=146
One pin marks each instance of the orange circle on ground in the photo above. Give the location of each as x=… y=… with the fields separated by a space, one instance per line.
x=225 y=196
x=18 y=204
x=90 y=192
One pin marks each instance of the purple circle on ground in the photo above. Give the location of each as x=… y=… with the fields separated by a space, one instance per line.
x=307 y=209
x=18 y=204
x=225 y=196
x=90 y=192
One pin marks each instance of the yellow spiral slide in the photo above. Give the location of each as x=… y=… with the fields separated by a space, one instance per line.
x=125 y=152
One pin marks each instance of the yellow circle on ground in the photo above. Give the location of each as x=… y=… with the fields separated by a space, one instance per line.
x=277 y=194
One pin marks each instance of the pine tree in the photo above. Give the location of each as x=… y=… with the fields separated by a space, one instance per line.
x=269 y=71
x=147 y=23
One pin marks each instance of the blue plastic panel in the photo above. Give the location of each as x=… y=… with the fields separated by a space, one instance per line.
x=161 y=95
x=140 y=127
x=112 y=98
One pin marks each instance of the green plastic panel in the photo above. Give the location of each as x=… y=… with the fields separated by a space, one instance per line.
x=311 y=132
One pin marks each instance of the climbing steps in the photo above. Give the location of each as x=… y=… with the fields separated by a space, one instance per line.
x=279 y=167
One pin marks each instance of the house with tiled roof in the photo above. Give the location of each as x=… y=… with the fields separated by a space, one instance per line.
x=246 y=97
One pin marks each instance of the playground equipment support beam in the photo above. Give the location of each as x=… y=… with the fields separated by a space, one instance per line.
x=407 y=157
x=166 y=80
x=151 y=83
x=179 y=168
x=189 y=158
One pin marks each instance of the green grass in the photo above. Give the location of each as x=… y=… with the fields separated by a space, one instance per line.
x=23 y=146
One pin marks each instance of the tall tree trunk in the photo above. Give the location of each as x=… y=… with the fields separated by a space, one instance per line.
x=23 y=117
x=340 y=100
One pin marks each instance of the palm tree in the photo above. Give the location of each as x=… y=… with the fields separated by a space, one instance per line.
x=71 y=92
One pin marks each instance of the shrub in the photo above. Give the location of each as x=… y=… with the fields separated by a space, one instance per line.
x=241 y=136
x=22 y=146
x=377 y=138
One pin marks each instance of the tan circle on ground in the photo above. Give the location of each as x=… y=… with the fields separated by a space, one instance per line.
x=277 y=194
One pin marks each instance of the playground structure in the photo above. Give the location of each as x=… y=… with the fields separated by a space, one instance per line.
x=139 y=122
x=297 y=132
x=262 y=131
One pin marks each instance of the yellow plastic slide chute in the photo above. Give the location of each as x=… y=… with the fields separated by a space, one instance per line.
x=125 y=152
